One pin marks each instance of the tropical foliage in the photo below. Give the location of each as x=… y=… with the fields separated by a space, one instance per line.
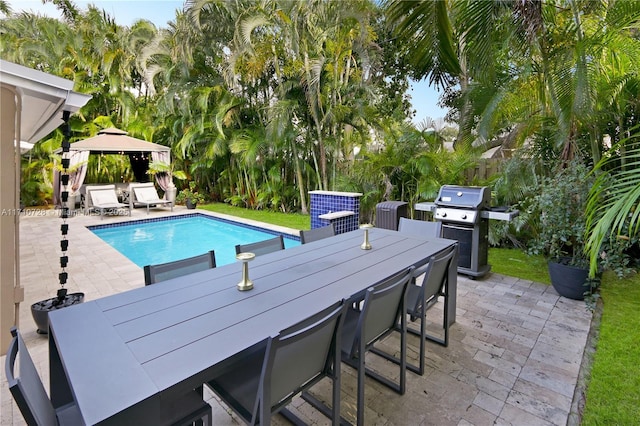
x=261 y=102
x=612 y=209
x=561 y=206
x=555 y=76
x=190 y=195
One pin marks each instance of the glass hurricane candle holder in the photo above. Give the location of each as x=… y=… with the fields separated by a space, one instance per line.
x=246 y=283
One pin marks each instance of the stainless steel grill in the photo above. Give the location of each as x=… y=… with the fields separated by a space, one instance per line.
x=465 y=212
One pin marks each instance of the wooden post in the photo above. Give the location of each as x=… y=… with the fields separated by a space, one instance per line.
x=10 y=291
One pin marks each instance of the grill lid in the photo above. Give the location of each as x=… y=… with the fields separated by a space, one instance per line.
x=468 y=197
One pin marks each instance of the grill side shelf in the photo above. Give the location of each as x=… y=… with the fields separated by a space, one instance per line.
x=508 y=216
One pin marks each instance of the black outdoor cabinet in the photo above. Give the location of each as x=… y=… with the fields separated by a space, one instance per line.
x=388 y=214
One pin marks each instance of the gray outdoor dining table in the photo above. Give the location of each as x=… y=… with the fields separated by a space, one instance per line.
x=123 y=356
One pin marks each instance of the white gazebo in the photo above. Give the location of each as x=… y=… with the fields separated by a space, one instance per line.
x=31 y=106
x=110 y=141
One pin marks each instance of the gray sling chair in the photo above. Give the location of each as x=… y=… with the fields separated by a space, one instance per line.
x=383 y=307
x=262 y=247
x=420 y=228
x=178 y=268
x=28 y=391
x=265 y=381
x=37 y=409
x=435 y=283
x=317 y=233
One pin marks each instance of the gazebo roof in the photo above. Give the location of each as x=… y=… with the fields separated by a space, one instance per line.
x=116 y=140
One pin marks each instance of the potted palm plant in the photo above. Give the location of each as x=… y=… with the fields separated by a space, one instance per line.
x=562 y=203
x=190 y=196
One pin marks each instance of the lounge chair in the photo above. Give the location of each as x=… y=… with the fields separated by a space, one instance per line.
x=146 y=194
x=104 y=198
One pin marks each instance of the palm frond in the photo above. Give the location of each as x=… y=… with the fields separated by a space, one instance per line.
x=426 y=29
x=612 y=208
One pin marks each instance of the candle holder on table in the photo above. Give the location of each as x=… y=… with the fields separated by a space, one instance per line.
x=366 y=245
x=246 y=283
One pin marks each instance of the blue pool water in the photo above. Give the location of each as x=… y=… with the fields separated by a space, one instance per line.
x=148 y=242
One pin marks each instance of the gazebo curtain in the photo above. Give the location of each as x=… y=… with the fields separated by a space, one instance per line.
x=76 y=178
x=163 y=179
x=78 y=163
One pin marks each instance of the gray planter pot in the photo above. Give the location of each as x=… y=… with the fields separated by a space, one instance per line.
x=170 y=194
x=569 y=281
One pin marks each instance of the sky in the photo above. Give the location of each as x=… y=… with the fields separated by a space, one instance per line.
x=125 y=12
x=424 y=99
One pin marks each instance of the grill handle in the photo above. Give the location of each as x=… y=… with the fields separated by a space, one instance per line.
x=459 y=206
x=451 y=225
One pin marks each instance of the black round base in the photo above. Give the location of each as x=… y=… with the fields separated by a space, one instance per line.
x=40 y=310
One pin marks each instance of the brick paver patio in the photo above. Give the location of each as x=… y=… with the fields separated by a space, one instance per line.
x=514 y=356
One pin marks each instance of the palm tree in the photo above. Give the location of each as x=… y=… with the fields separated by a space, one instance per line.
x=535 y=64
x=427 y=38
x=279 y=49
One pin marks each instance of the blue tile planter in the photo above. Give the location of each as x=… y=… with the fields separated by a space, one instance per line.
x=340 y=208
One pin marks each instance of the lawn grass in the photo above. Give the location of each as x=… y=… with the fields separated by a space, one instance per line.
x=289 y=220
x=613 y=393
x=516 y=263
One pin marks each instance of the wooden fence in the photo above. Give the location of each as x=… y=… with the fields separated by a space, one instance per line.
x=483 y=170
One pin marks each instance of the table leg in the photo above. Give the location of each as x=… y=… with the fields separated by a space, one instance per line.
x=58 y=386
x=453 y=287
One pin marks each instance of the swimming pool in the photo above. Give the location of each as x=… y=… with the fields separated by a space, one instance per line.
x=160 y=240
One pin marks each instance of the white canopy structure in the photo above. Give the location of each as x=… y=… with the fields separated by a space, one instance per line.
x=113 y=141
